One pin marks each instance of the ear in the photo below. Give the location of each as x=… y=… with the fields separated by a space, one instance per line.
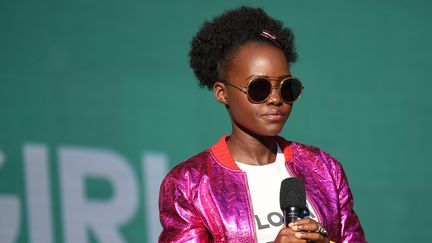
x=219 y=91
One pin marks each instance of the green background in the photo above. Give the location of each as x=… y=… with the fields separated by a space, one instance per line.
x=115 y=74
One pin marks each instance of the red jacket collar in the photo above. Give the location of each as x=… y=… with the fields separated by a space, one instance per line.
x=222 y=154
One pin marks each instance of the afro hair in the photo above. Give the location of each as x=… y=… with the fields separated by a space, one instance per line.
x=215 y=43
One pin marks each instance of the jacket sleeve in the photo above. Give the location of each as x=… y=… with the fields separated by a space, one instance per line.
x=179 y=218
x=351 y=229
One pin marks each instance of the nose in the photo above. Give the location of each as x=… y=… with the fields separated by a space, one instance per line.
x=274 y=96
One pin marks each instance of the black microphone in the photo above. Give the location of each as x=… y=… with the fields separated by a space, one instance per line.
x=292 y=199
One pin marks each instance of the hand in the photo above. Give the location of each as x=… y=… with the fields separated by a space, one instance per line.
x=301 y=231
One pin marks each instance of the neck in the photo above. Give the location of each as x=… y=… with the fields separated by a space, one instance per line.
x=252 y=149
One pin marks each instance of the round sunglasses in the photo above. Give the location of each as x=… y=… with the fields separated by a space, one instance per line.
x=258 y=89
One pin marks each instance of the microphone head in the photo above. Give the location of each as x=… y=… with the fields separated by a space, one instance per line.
x=292 y=193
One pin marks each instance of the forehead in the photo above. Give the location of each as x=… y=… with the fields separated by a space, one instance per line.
x=258 y=59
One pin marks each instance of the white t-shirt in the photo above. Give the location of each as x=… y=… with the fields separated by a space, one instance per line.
x=264 y=187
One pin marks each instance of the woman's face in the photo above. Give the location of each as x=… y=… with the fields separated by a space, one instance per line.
x=265 y=119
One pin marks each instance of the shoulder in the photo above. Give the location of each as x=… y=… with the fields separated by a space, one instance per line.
x=305 y=150
x=190 y=169
x=312 y=156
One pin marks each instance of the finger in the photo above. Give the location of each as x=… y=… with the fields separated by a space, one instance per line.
x=305 y=225
x=287 y=235
x=310 y=236
x=304 y=221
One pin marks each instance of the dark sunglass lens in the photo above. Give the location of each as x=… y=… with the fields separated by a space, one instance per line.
x=291 y=89
x=259 y=89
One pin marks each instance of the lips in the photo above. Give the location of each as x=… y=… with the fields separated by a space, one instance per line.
x=274 y=116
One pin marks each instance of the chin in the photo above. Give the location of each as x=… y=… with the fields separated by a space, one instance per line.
x=272 y=132
x=275 y=130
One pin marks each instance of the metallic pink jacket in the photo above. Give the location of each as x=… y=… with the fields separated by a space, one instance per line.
x=206 y=198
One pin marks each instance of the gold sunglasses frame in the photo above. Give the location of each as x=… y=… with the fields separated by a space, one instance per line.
x=245 y=89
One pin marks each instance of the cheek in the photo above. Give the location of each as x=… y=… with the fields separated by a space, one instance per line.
x=289 y=109
x=246 y=114
x=242 y=109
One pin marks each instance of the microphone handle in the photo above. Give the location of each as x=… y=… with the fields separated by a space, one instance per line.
x=292 y=214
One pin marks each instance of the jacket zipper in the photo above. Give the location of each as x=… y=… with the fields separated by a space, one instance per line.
x=250 y=206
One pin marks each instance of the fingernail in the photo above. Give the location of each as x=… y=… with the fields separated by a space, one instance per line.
x=298 y=235
x=290 y=225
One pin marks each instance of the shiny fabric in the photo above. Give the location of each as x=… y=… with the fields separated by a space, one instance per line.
x=206 y=198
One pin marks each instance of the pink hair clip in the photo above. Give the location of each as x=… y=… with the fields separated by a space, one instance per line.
x=266 y=34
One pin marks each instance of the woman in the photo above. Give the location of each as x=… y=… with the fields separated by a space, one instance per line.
x=230 y=192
